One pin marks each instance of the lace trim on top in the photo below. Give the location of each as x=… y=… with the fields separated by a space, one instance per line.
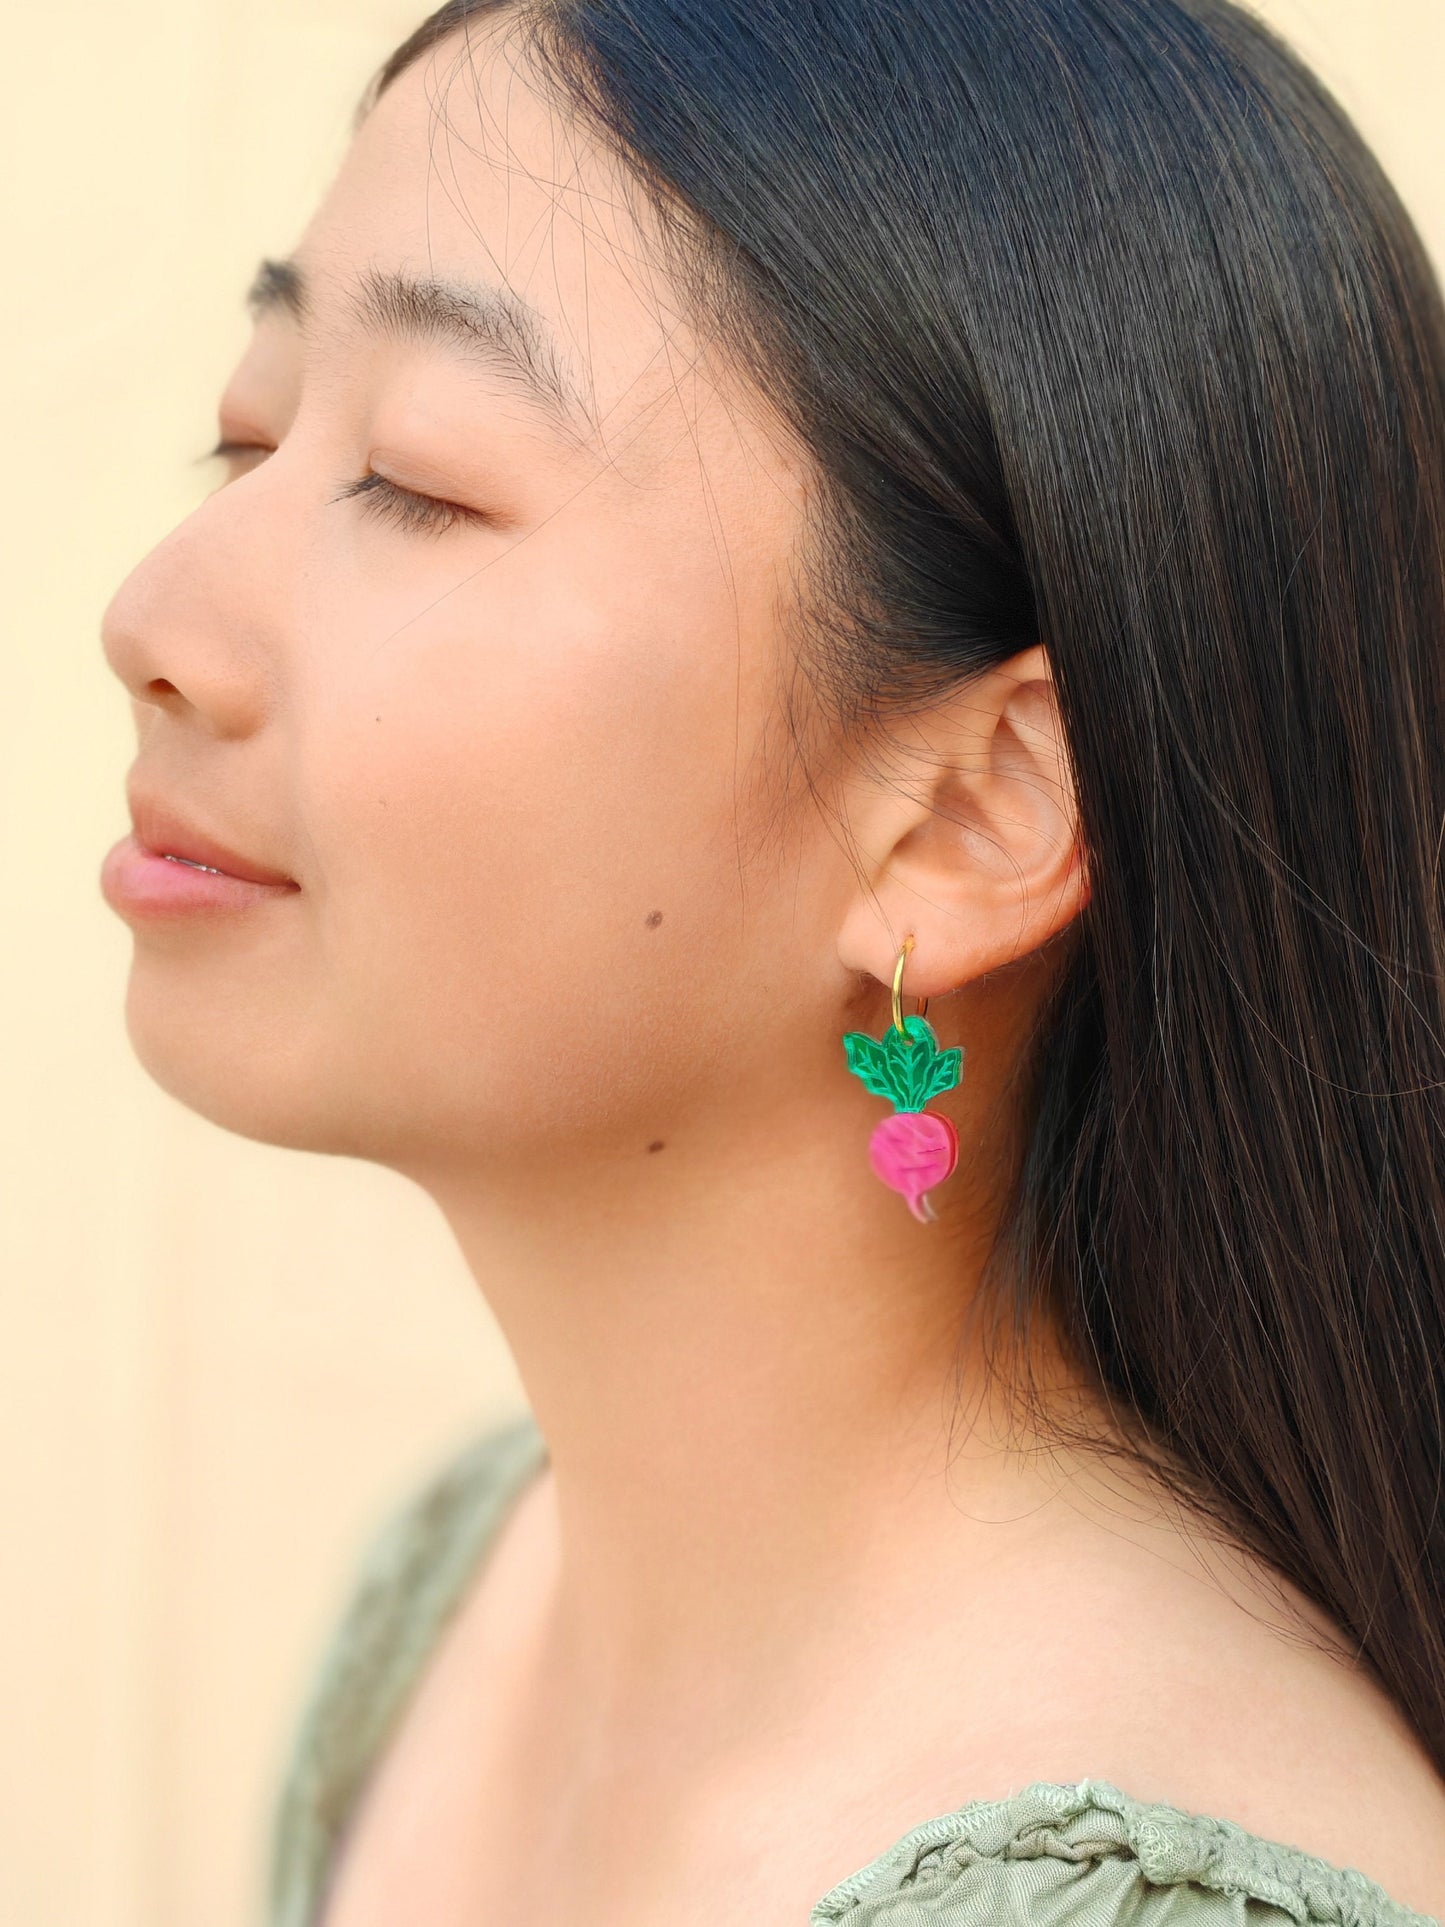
x=1091 y=1821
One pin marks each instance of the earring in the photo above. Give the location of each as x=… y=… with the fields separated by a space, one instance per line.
x=914 y=1149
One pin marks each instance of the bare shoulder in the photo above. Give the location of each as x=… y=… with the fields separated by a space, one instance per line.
x=1222 y=1690
x=1298 y=1749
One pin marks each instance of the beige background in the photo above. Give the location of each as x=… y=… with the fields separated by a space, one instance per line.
x=222 y=1361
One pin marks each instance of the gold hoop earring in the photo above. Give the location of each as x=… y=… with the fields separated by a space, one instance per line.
x=898 y=989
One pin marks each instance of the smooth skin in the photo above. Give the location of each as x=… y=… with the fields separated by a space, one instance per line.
x=575 y=950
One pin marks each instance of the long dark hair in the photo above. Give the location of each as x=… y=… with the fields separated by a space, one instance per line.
x=1106 y=330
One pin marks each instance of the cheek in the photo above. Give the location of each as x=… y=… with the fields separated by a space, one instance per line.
x=552 y=759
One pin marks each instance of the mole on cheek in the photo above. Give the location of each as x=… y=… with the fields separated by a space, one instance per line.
x=656 y=1145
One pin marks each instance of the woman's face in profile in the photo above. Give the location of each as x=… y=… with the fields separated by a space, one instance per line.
x=507 y=736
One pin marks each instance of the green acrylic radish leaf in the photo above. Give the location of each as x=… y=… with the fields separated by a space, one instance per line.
x=907 y=1071
x=946 y=1071
x=867 y=1061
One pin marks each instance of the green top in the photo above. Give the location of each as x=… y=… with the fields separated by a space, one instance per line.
x=1087 y=1855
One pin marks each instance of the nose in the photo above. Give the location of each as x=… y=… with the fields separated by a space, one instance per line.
x=187 y=629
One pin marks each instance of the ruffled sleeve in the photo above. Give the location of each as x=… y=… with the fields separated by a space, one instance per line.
x=1089 y=1855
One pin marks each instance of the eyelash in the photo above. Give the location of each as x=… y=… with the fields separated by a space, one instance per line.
x=417 y=514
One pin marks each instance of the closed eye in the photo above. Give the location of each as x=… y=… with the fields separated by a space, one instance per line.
x=418 y=514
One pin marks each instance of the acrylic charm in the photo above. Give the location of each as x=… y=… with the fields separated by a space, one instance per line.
x=915 y=1149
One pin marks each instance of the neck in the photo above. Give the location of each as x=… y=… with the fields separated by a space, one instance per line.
x=758 y=1402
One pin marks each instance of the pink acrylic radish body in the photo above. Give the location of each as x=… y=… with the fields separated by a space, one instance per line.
x=914 y=1149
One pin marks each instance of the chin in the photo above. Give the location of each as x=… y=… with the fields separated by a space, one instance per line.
x=236 y=1066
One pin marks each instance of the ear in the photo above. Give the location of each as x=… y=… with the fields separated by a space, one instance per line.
x=969 y=839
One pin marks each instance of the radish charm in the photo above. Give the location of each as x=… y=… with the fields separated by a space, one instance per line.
x=914 y=1149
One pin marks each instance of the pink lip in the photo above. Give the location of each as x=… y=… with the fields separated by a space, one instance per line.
x=136 y=881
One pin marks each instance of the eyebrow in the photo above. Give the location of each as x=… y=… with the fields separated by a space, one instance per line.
x=488 y=325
